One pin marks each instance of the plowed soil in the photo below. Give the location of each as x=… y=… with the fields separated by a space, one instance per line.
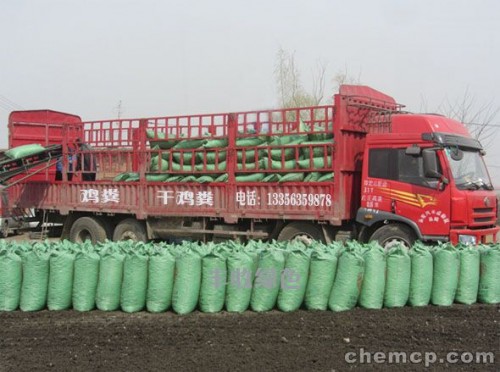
x=299 y=341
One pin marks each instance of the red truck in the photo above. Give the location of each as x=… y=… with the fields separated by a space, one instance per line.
x=358 y=169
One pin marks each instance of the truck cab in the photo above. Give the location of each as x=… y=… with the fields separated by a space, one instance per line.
x=426 y=180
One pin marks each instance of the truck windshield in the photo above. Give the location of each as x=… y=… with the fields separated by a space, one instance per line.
x=469 y=170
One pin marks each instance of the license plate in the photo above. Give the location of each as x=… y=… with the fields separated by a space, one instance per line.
x=488 y=238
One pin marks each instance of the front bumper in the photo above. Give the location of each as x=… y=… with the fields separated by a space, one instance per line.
x=483 y=236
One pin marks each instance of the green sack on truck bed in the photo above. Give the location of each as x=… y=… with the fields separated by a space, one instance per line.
x=397 y=286
x=347 y=285
x=468 y=282
x=35 y=279
x=187 y=282
x=135 y=282
x=240 y=270
x=321 y=275
x=11 y=274
x=189 y=144
x=317 y=148
x=421 y=275
x=292 y=177
x=489 y=280
x=267 y=280
x=61 y=279
x=373 y=287
x=164 y=141
x=213 y=282
x=85 y=279
x=445 y=276
x=110 y=279
x=294 y=280
x=160 y=280
x=24 y=150
x=250 y=177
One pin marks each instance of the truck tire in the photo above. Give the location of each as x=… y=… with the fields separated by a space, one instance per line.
x=393 y=234
x=88 y=228
x=305 y=232
x=130 y=229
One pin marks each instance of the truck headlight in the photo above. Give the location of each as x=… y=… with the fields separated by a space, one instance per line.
x=467 y=239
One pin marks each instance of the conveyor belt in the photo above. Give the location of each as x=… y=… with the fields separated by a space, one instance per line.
x=12 y=167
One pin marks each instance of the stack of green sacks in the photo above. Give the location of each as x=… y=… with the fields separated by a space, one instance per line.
x=231 y=276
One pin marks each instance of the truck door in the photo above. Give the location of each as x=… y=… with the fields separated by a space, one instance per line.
x=411 y=195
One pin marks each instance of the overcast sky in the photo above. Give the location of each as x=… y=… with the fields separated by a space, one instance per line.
x=179 y=57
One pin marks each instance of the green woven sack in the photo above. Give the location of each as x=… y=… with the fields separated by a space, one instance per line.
x=35 y=280
x=189 y=144
x=60 y=280
x=278 y=165
x=421 y=275
x=249 y=141
x=241 y=272
x=187 y=156
x=222 y=178
x=347 y=285
x=292 y=177
x=468 y=282
x=110 y=280
x=273 y=177
x=24 y=150
x=85 y=279
x=247 y=166
x=155 y=166
x=267 y=280
x=286 y=153
x=11 y=274
x=373 y=287
x=397 y=289
x=321 y=275
x=312 y=177
x=162 y=142
x=135 y=282
x=211 y=156
x=315 y=163
x=160 y=281
x=489 y=282
x=290 y=139
x=221 y=167
x=294 y=280
x=121 y=177
x=182 y=168
x=326 y=177
x=316 y=148
x=213 y=283
x=215 y=143
x=157 y=177
x=249 y=155
x=190 y=178
x=445 y=275
x=205 y=179
x=187 y=282
x=174 y=178
x=250 y=177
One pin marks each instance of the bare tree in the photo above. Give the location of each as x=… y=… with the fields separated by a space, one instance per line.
x=477 y=117
x=290 y=89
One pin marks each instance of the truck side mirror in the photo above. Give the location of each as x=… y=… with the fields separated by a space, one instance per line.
x=430 y=164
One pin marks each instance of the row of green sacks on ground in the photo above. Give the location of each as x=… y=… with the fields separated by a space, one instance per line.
x=242 y=177
x=235 y=277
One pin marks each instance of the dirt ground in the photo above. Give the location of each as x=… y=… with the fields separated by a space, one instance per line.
x=274 y=341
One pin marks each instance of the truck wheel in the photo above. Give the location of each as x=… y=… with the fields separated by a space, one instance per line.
x=394 y=234
x=130 y=229
x=304 y=232
x=88 y=228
